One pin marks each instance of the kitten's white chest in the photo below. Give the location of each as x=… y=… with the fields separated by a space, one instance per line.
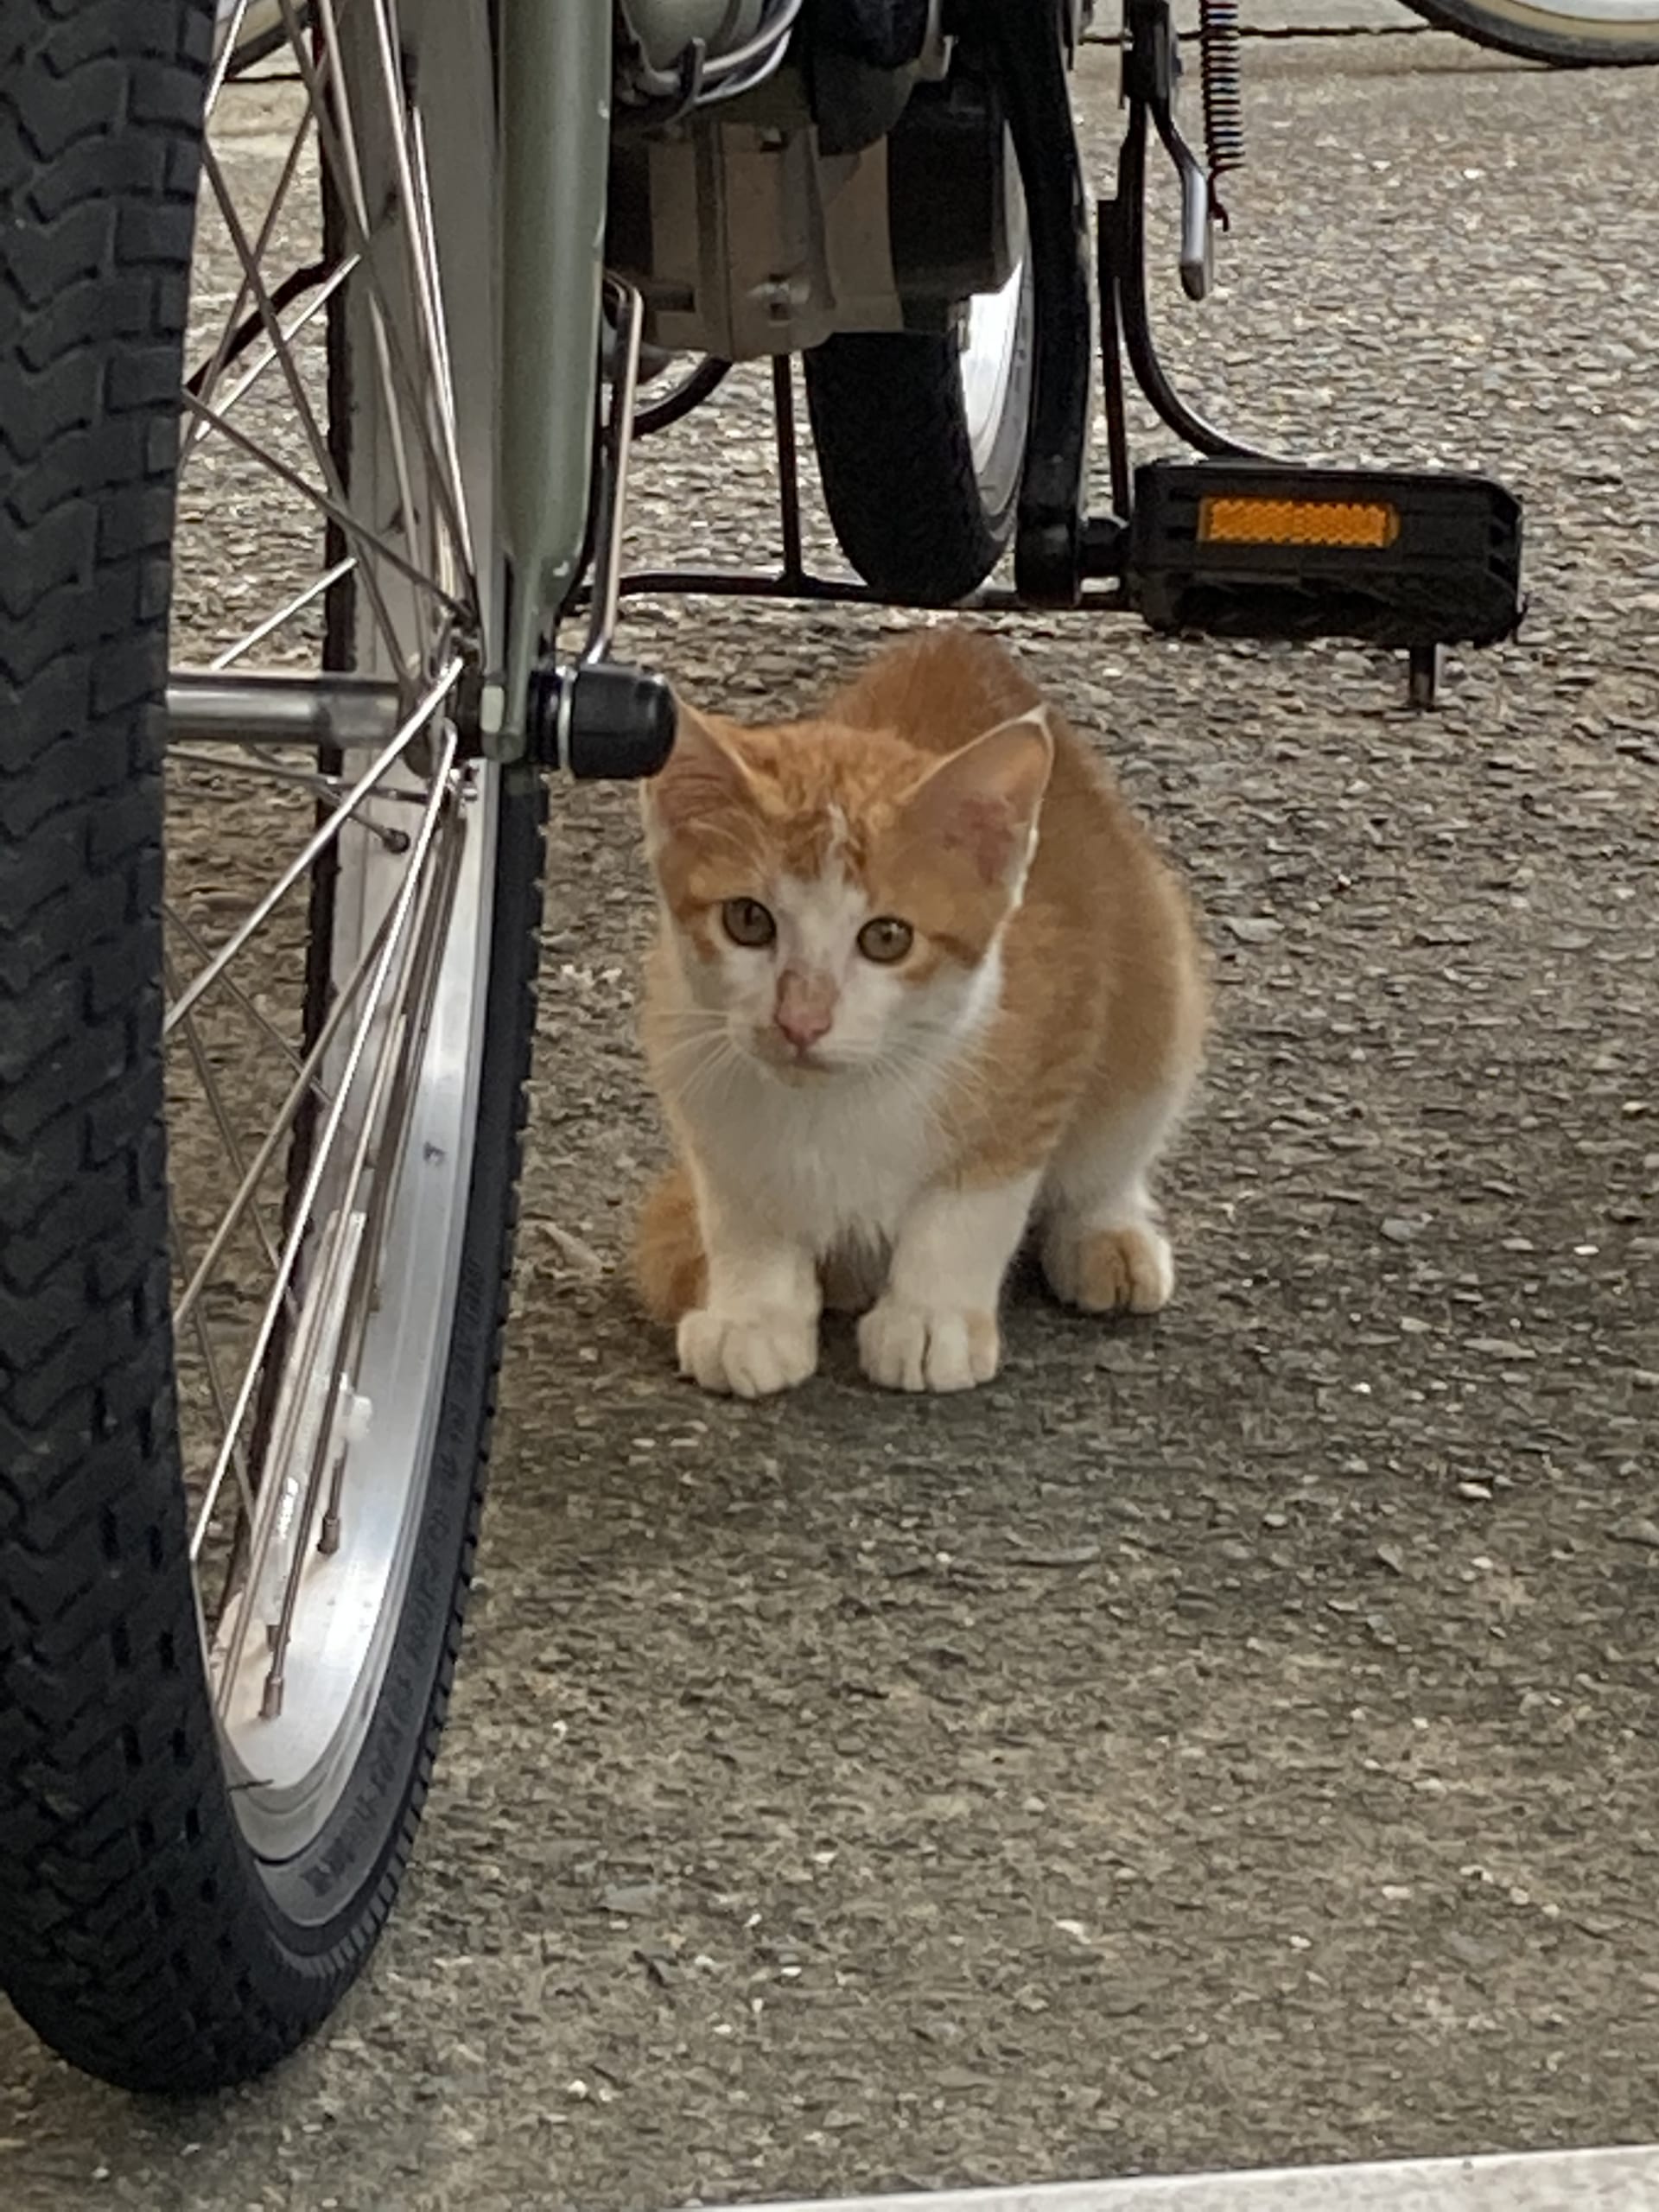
x=833 y=1164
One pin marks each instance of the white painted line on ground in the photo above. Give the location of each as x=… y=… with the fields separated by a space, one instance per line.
x=1540 y=2181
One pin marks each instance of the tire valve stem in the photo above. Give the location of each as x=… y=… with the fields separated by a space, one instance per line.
x=1223 y=77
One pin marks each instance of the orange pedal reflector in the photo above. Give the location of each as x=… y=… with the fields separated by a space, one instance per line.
x=1255 y=521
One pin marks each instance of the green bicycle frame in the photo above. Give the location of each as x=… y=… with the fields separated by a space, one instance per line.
x=555 y=106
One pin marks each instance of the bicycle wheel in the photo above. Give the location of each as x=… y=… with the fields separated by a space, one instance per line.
x=1570 y=33
x=266 y=954
x=921 y=443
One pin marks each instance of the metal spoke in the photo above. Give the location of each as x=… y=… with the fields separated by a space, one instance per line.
x=336 y=123
x=186 y=755
x=186 y=1304
x=263 y=772
x=337 y=133
x=296 y=392
x=320 y=786
x=226 y=339
x=222 y=1121
x=204 y=1341
x=226 y=55
x=423 y=265
x=286 y=612
x=321 y=838
x=415 y=1044
x=443 y=368
x=360 y=1237
x=335 y=512
x=234 y=991
x=305 y=1084
x=322 y=292
x=307 y=1415
x=273 y=1493
x=385 y=1187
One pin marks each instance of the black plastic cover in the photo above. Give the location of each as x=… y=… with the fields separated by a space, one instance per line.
x=886 y=33
x=616 y=722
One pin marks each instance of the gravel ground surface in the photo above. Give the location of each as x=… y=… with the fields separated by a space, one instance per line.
x=1221 y=1741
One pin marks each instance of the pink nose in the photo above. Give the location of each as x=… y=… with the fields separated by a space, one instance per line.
x=804 y=1009
x=803 y=1025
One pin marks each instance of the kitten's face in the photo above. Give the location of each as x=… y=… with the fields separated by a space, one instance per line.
x=836 y=896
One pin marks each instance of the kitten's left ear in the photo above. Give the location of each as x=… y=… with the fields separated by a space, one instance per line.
x=982 y=801
x=702 y=775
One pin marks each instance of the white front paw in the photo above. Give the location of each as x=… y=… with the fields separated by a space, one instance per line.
x=749 y=1354
x=906 y=1347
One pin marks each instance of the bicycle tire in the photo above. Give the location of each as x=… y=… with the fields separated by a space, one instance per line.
x=140 y=1933
x=1559 y=38
x=922 y=509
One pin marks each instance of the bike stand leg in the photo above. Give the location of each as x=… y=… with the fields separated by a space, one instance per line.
x=788 y=465
x=1425 y=668
x=1108 y=251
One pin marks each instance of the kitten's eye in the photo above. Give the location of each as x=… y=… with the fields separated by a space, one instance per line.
x=885 y=940
x=748 y=922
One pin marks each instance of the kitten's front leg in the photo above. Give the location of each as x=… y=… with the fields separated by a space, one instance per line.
x=757 y=1330
x=934 y=1327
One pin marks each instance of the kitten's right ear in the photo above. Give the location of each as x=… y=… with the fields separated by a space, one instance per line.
x=982 y=801
x=701 y=775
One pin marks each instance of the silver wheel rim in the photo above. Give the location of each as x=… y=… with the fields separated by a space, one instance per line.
x=320 y=1118
x=995 y=338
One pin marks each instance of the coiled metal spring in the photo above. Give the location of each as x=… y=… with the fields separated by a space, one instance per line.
x=1223 y=108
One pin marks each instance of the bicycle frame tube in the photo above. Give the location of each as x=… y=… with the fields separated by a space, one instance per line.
x=555 y=91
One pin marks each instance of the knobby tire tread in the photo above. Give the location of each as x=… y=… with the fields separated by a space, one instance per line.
x=897 y=467
x=135 y=1933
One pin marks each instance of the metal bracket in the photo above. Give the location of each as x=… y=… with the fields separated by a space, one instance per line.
x=594 y=717
x=1151 y=76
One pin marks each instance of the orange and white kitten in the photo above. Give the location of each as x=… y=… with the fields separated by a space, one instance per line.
x=921 y=980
